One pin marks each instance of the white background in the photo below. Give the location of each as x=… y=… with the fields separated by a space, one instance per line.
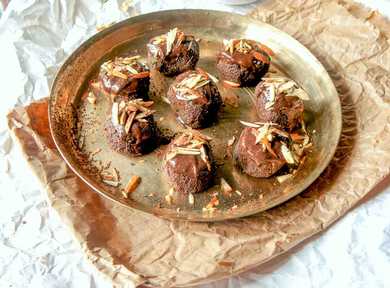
x=36 y=250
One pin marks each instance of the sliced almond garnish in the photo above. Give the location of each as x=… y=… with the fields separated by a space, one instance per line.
x=131 y=69
x=229 y=45
x=129 y=122
x=283 y=178
x=115 y=174
x=186 y=97
x=185 y=151
x=212 y=77
x=119 y=74
x=171 y=191
x=301 y=94
x=204 y=157
x=91 y=98
x=287 y=154
x=130 y=60
x=225 y=187
x=132 y=184
x=165 y=99
x=144 y=114
x=123 y=118
x=111 y=183
x=231 y=84
x=253 y=125
x=287 y=86
x=114 y=113
x=171 y=37
x=279 y=132
x=238 y=193
x=168 y=198
x=191 y=199
x=231 y=141
x=147 y=103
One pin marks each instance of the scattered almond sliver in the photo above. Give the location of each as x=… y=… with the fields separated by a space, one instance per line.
x=132 y=184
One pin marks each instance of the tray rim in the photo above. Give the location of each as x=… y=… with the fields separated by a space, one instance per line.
x=132 y=20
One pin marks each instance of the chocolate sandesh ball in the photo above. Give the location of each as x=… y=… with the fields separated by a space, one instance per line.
x=124 y=78
x=280 y=100
x=131 y=128
x=195 y=98
x=173 y=53
x=263 y=149
x=243 y=62
x=188 y=163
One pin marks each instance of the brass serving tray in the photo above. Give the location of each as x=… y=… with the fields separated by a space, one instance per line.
x=73 y=118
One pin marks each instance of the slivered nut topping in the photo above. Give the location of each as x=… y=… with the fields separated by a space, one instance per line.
x=192 y=82
x=245 y=46
x=124 y=67
x=125 y=113
x=282 y=85
x=133 y=183
x=191 y=144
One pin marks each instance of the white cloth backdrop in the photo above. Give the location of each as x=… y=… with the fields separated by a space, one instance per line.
x=35 y=248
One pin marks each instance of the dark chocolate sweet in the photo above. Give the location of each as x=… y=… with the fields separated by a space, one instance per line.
x=173 y=53
x=279 y=100
x=243 y=62
x=131 y=128
x=124 y=78
x=195 y=98
x=262 y=150
x=188 y=164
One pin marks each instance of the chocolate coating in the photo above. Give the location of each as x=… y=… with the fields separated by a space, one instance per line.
x=287 y=111
x=132 y=86
x=141 y=139
x=244 y=67
x=183 y=55
x=188 y=173
x=253 y=160
x=200 y=112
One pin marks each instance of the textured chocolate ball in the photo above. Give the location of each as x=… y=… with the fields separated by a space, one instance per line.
x=188 y=164
x=173 y=53
x=258 y=152
x=124 y=78
x=131 y=128
x=244 y=62
x=276 y=102
x=195 y=98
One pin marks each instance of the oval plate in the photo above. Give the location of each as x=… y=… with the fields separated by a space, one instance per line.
x=77 y=125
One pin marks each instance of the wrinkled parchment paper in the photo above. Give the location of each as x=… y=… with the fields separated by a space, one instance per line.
x=130 y=246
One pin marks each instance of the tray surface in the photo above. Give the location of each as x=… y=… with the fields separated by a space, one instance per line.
x=77 y=125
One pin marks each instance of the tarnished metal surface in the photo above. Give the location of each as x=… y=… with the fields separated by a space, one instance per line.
x=71 y=116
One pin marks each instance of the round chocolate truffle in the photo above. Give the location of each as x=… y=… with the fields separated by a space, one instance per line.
x=243 y=62
x=258 y=152
x=131 y=128
x=195 y=98
x=124 y=78
x=276 y=102
x=188 y=164
x=173 y=53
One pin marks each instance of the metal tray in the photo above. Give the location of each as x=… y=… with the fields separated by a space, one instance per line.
x=73 y=118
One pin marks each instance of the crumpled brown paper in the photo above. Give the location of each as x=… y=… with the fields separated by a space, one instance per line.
x=130 y=246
